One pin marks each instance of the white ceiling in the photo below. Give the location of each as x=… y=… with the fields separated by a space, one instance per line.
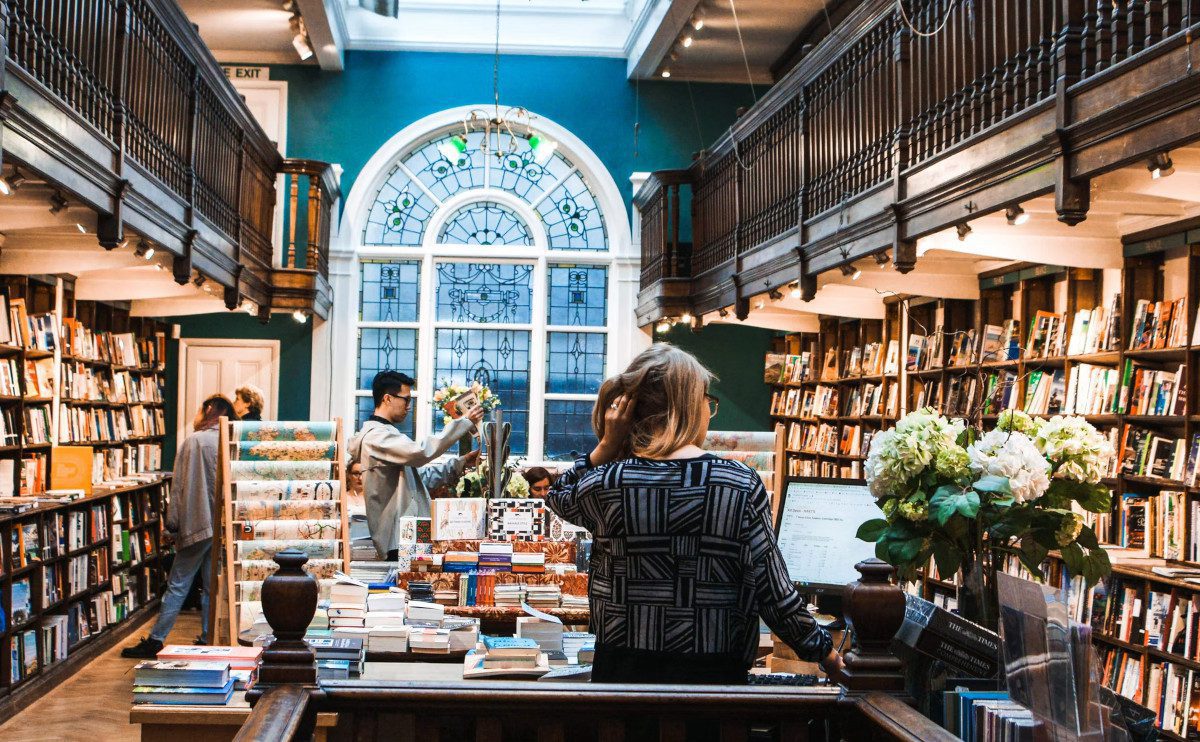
x=644 y=32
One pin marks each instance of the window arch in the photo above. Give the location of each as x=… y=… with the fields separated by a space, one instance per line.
x=489 y=256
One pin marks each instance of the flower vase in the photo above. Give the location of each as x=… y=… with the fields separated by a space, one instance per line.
x=978 y=600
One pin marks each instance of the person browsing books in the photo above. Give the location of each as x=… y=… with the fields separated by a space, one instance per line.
x=397 y=471
x=189 y=524
x=684 y=558
x=248 y=402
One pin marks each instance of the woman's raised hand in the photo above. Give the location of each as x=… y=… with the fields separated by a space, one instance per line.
x=618 y=418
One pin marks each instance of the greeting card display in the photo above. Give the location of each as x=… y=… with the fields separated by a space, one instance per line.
x=459 y=518
x=517 y=519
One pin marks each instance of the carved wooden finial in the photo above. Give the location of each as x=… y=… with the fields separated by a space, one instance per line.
x=874 y=608
x=289 y=600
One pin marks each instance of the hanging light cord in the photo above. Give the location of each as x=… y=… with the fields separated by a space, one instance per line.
x=496 y=65
x=741 y=42
x=912 y=27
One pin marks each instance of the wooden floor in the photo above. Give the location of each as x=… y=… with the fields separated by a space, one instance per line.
x=92 y=705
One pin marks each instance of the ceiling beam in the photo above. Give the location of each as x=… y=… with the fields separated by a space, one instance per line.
x=326 y=24
x=177 y=307
x=783 y=320
x=654 y=32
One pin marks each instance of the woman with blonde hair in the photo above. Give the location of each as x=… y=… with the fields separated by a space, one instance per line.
x=684 y=558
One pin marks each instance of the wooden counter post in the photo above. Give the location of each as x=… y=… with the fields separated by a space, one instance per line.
x=874 y=608
x=289 y=599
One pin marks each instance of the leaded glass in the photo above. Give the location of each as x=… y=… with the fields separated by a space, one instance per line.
x=575 y=362
x=498 y=359
x=572 y=217
x=399 y=213
x=485 y=223
x=578 y=295
x=568 y=429
x=486 y=293
x=449 y=163
x=383 y=349
x=389 y=291
x=365 y=407
x=519 y=171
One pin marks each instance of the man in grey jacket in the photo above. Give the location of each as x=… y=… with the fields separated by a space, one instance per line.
x=397 y=471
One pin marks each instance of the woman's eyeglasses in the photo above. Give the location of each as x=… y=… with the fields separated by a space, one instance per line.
x=713 y=404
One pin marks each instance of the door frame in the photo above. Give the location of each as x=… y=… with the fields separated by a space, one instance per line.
x=186 y=344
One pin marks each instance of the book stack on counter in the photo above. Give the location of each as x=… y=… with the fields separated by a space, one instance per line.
x=338 y=657
x=576 y=602
x=372 y=572
x=182 y=682
x=576 y=641
x=509 y=595
x=547 y=634
x=495 y=556
x=347 y=603
x=543 y=596
x=385 y=621
x=445 y=596
x=454 y=634
x=423 y=613
x=460 y=561
x=529 y=562
x=420 y=591
x=984 y=716
x=242 y=661
x=505 y=656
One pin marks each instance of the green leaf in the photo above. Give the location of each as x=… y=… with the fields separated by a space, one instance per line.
x=993 y=483
x=1095 y=498
x=872 y=530
x=1032 y=554
x=1087 y=538
x=947 y=556
x=906 y=551
x=1096 y=567
x=950 y=499
x=1073 y=557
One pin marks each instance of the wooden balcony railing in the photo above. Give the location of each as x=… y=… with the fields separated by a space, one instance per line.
x=892 y=91
x=151 y=134
x=312 y=189
x=659 y=202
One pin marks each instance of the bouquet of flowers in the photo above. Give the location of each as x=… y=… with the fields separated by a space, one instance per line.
x=474 y=483
x=449 y=391
x=949 y=492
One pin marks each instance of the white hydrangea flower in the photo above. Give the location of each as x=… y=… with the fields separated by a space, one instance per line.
x=899 y=454
x=1014 y=456
x=1076 y=448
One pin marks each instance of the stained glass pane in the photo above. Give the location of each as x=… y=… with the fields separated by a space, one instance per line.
x=575 y=362
x=484 y=292
x=380 y=349
x=572 y=216
x=568 y=429
x=399 y=213
x=390 y=291
x=449 y=163
x=485 y=223
x=578 y=295
x=365 y=407
x=498 y=359
x=518 y=169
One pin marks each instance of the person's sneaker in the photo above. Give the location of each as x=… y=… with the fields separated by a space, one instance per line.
x=200 y=641
x=146 y=649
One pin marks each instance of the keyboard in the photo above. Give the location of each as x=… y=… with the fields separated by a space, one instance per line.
x=780 y=678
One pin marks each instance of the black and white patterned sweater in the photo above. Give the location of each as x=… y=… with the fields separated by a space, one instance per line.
x=684 y=558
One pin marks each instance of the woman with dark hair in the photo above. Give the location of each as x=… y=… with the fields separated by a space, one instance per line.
x=683 y=555
x=189 y=524
x=539 y=479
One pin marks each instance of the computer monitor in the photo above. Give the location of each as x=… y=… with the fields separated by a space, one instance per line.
x=816 y=528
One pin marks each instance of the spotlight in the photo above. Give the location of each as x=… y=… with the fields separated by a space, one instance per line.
x=1015 y=215
x=144 y=250
x=666 y=73
x=454 y=147
x=686 y=318
x=302 y=47
x=543 y=148
x=1160 y=165
x=964 y=231
x=299 y=316
x=698 y=21
x=775 y=294
x=759 y=304
x=82 y=229
x=198 y=281
x=882 y=257
x=290 y=6
x=795 y=292
x=57 y=202
x=723 y=312
x=688 y=41
x=849 y=271
x=663 y=326
x=9 y=185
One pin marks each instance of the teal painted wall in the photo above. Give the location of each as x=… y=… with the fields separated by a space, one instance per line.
x=295 y=360
x=735 y=354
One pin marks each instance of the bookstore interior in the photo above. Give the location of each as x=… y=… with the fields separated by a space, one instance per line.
x=600 y=370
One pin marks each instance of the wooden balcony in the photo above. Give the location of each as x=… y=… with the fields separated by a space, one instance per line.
x=117 y=107
x=881 y=136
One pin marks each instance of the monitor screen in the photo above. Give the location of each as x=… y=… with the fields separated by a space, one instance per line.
x=818 y=520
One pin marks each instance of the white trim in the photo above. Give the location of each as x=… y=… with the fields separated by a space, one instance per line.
x=183 y=416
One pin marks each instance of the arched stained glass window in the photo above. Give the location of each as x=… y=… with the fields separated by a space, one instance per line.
x=487 y=258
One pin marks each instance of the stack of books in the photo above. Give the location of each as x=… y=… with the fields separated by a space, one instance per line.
x=420 y=590
x=547 y=634
x=338 y=657
x=388 y=639
x=495 y=556
x=182 y=682
x=529 y=562
x=242 y=661
x=445 y=597
x=347 y=603
x=460 y=561
x=574 y=642
x=372 y=572
x=429 y=640
x=506 y=656
x=392 y=600
x=543 y=596
x=511 y=594
x=575 y=602
x=421 y=613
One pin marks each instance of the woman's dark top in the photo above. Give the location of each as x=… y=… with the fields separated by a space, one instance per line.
x=683 y=561
x=251 y=415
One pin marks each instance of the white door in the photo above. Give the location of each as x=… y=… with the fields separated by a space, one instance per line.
x=218 y=366
x=267 y=101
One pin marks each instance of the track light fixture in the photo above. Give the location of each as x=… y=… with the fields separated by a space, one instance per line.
x=1160 y=165
x=82 y=229
x=58 y=202
x=882 y=257
x=964 y=231
x=300 y=316
x=198 y=281
x=723 y=312
x=849 y=271
x=1015 y=215
x=687 y=41
x=144 y=250
x=9 y=185
x=775 y=294
x=795 y=290
x=663 y=326
x=665 y=73
x=759 y=304
x=697 y=20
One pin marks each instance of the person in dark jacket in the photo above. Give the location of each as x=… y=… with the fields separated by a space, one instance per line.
x=189 y=524
x=684 y=558
x=248 y=402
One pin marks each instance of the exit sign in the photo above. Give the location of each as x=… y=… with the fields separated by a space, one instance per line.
x=234 y=72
